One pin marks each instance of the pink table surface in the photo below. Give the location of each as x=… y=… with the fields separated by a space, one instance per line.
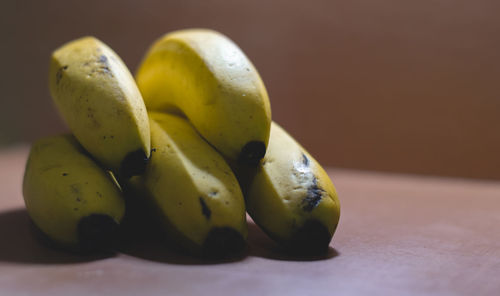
x=398 y=235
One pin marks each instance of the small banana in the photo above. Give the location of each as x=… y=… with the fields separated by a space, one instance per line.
x=192 y=189
x=290 y=196
x=68 y=196
x=99 y=100
x=204 y=75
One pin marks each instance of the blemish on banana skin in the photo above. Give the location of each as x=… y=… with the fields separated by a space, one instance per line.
x=204 y=209
x=313 y=197
x=103 y=60
x=59 y=73
x=98 y=66
x=305 y=160
x=90 y=115
x=77 y=192
x=314 y=193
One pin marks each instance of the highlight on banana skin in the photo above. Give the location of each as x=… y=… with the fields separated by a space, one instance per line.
x=188 y=140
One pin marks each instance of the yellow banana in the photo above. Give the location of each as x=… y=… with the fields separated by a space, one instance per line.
x=99 y=100
x=290 y=196
x=205 y=76
x=68 y=196
x=192 y=188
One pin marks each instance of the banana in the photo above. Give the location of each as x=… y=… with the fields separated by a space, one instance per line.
x=290 y=196
x=69 y=197
x=192 y=189
x=99 y=100
x=205 y=76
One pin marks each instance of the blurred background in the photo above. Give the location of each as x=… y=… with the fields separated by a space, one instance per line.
x=389 y=85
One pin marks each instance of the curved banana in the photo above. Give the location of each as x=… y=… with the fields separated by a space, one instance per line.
x=99 y=100
x=207 y=77
x=192 y=189
x=290 y=196
x=68 y=196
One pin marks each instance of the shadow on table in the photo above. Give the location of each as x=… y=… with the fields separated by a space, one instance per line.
x=260 y=245
x=145 y=242
x=148 y=242
x=20 y=243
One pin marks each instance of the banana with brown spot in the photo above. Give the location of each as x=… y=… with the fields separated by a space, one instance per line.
x=192 y=189
x=99 y=100
x=290 y=196
x=69 y=197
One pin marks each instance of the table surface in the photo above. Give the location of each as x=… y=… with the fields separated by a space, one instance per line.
x=398 y=235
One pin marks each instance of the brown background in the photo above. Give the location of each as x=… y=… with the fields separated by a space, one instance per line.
x=408 y=86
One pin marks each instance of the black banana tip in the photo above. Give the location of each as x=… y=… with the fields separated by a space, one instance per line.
x=312 y=238
x=252 y=152
x=96 y=231
x=134 y=164
x=223 y=242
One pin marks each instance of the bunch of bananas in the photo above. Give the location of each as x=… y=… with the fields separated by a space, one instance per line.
x=191 y=136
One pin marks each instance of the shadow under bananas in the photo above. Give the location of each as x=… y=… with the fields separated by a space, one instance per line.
x=260 y=245
x=147 y=241
x=21 y=242
x=142 y=237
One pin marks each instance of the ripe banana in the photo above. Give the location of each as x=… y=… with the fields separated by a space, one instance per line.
x=192 y=189
x=205 y=76
x=99 y=100
x=68 y=196
x=290 y=196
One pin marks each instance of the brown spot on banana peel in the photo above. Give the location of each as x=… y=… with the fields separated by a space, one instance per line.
x=59 y=73
x=93 y=123
x=99 y=66
x=204 y=209
x=103 y=59
x=307 y=179
x=313 y=197
x=105 y=69
x=305 y=160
